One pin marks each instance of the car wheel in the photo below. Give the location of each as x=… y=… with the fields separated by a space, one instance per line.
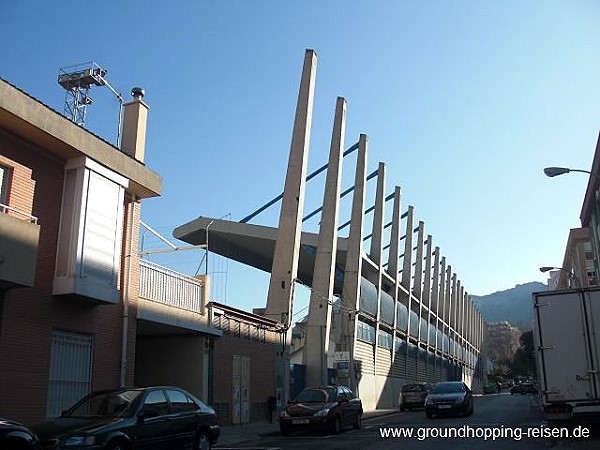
x=428 y=414
x=358 y=423
x=202 y=441
x=402 y=408
x=116 y=446
x=285 y=430
x=336 y=426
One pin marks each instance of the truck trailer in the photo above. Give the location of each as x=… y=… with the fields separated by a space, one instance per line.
x=566 y=339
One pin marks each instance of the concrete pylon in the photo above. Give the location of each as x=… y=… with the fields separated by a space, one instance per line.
x=394 y=253
x=353 y=268
x=408 y=250
x=418 y=284
x=287 y=247
x=377 y=233
x=318 y=327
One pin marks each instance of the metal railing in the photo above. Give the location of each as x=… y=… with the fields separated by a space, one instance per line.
x=5 y=209
x=171 y=288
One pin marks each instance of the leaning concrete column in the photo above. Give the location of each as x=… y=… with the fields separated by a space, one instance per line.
x=426 y=295
x=287 y=246
x=377 y=233
x=353 y=266
x=316 y=347
x=418 y=284
x=408 y=244
x=435 y=293
x=394 y=253
x=448 y=299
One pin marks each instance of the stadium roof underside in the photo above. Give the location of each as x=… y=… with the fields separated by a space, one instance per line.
x=254 y=245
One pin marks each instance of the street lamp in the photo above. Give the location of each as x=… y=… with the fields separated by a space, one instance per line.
x=574 y=277
x=556 y=171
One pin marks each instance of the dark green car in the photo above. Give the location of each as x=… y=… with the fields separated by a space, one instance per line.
x=146 y=419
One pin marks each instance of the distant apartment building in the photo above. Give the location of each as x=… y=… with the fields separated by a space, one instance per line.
x=503 y=340
x=590 y=218
x=578 y=262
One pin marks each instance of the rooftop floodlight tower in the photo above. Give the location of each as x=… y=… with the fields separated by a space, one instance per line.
x=77 y=81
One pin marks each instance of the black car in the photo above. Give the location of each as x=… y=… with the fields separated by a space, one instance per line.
x=16 y=436
x=119 y=419
x=413 y=395
x=449 y=397
x=327 y=408
x=523 y=388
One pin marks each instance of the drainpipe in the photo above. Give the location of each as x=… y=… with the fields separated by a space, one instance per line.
x=126 y=291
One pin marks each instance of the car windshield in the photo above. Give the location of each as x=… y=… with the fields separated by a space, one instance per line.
x=316 y=395
x=103 y=404
x=448 y=388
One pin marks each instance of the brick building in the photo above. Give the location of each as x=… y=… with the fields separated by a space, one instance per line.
x=69 y=271
x=244 y=363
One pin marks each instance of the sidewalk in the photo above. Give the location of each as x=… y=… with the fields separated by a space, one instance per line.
x=238 y=434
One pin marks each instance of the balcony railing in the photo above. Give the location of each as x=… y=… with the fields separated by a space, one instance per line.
x=171 y=288
x=5 y=209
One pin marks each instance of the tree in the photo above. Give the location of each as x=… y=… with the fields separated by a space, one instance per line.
x=523 y=362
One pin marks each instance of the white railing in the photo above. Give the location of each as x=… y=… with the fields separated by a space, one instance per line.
x=171 y=288
x=5 y=209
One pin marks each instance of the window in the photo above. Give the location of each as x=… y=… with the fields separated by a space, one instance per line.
x=180 y=402
x=366 y=332
x=155 y=404
x=70 y=370
x=4 y=173
x=386 y=340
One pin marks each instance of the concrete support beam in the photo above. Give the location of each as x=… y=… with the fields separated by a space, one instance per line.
x=394 y=253
x=418 y=283
x=319 y=313
x=435 y=282
x=284 y=269
x=453 y=301
x=378 y=216
x=448 y=297
x=408 y=250
x=353 y=269
x=287 y=247
x=426 y=295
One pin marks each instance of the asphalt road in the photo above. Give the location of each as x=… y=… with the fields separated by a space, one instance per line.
x=502 y=421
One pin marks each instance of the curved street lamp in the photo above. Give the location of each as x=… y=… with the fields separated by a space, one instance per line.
x=556 y=171
x=574 y=277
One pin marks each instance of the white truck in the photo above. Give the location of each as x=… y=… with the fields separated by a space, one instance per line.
x=566 y=340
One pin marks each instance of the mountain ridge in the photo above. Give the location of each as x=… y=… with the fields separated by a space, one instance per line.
x=513 y=305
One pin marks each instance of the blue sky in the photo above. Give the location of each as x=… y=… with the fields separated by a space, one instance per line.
x=465 y=101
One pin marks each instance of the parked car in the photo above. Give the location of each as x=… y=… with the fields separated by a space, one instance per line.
x=413 y=395
x=16 y=436
x=449 y=397
x=118 y=419
x=327 y=408
x=524 y=388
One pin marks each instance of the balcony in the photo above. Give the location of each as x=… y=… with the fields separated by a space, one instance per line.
x=18 y=248
x=173 y=300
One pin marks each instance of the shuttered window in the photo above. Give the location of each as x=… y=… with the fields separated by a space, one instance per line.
x=102 y=234
x=91 y=228
x=70 y=370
